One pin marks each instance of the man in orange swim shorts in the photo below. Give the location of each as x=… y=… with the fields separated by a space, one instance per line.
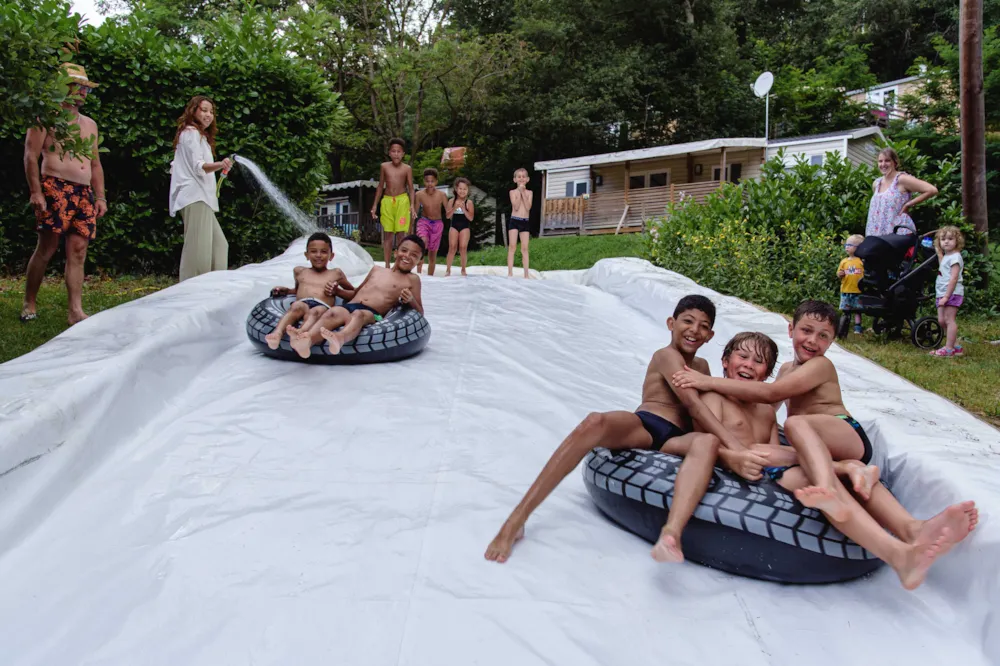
x=68 y=197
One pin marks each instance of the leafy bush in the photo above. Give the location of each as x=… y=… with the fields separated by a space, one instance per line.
x=778 y=240
x=276 y=110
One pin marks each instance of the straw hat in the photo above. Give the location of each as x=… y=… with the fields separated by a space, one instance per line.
x=78 y=74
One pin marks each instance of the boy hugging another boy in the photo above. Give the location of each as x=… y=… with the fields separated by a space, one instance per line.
x=661 y=423
x=821 y=431
x=432 y=205
x=311 y=290
x=382 y=290
x=395 y=180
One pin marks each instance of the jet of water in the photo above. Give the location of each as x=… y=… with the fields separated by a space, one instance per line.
x=305 y=223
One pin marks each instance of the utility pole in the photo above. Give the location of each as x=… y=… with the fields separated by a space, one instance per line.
x=972 y=115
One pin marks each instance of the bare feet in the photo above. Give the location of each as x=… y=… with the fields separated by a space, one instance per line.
x=825 y=500
x=863 y=478
x=447 y=273
x=76 y=317
x=332 y=340
x=667 y=548
x=273 y=339
x=958 y=519
x=919 y=558
x=499 y=549
x=300 y=342
x=464 y=274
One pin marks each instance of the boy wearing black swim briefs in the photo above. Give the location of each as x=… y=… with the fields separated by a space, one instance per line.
x=821 y=430
x=661 y=423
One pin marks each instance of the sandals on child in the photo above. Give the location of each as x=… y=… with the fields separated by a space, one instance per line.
x=944 y=352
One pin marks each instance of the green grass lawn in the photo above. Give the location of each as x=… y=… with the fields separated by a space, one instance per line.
x=971 y=381
x=553 y=254
x=98 y=294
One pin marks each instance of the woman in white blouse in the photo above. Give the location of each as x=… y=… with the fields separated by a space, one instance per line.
x=192 y=190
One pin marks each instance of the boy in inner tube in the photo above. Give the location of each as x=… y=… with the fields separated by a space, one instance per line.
x=382 y=290
x=661 y=423
x=821 y=431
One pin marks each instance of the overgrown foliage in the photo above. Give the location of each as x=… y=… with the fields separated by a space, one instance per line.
x=276 y=110
x=778 y=240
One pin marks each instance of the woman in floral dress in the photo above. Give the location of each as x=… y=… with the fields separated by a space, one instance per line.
x=891 y=197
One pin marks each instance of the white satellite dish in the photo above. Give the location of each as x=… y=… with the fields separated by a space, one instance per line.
x=761 y=88
x=763 y=84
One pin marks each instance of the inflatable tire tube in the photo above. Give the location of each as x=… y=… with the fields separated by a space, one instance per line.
x=755 y=530
x=402 y=333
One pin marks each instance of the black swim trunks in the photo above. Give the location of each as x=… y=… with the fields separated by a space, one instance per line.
x=869 y=451
x=351 y=307
x=659 y=429
x=519 y=224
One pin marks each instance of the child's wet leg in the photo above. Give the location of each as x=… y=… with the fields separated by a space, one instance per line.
x=463 y=240
x=693 y=477
x=525 y=237
x=294 y=313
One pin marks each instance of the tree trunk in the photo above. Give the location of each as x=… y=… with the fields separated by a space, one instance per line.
x=973 y=115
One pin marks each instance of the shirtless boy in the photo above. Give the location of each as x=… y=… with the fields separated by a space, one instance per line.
x=820 y=429
x=432 y=205
x=310 y=290
x=68 y=199
x=519 y=227
x=395 y=180
x=661 y=423
x=381 y=291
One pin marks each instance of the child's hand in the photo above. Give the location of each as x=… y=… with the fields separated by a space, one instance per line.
x=841 y=273
x=374 y=215
x=278 y=292
x=330 y=289
x=688 y=378
x=405 y=296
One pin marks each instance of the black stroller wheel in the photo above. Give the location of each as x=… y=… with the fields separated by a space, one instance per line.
x=844 y=325
x=927 y=333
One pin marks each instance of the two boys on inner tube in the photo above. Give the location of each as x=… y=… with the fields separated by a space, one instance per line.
x=317 y=288
x=734 y=424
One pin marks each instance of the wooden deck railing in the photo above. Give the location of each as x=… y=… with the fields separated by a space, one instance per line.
x=347 y=223
x=697 y=191
x=566 y=214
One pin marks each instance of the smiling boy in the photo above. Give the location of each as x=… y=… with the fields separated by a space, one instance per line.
x=395 y=180
x=382 y=290
x=821 y=430
x=661 y=423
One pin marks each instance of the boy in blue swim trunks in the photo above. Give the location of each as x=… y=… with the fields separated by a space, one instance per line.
x=310 y=290
x=820 y=431
x=382 y=290
x=661 y=423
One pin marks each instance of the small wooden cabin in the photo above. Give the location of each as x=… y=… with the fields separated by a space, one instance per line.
x=619 y=191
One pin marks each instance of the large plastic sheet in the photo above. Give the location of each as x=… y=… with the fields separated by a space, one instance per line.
x=168 y=496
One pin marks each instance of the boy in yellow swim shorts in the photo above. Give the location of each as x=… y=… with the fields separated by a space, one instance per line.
x=396 y=182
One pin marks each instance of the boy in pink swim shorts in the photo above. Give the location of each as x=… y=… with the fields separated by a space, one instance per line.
x=431 y=203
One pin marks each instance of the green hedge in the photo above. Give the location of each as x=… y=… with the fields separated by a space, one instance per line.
x=274 y=109
x=777 y=240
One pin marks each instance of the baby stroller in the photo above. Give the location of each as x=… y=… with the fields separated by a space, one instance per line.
x=898 y=272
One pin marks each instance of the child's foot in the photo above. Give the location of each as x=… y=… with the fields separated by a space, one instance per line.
x=332 y=340
x=944 y=352
x=499 y=549
x=858 y=331
x=464 y=274
x=300 y=342
x=919 y=558
x=667 y=549
x=273 y=339
x=527 y=276
x=863 y=478
x=447 y=273
x=825 y=500
x=76 y=317
x=958 y=519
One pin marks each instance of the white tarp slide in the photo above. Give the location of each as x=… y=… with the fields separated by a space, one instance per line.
x=170 y=497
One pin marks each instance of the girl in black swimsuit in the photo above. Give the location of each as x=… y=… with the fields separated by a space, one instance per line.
x=461 y=211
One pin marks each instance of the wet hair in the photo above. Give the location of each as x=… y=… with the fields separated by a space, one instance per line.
x=320 y=236
x=891 y=154
x=756 y=342
x=396 y=141
x=413 y=238
x=458 y=181
x=855 y=239
x=431 y=171
x=950 y=231
x=187 y=119
x=696 y=302
x=816 y=309
x=520 y=170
